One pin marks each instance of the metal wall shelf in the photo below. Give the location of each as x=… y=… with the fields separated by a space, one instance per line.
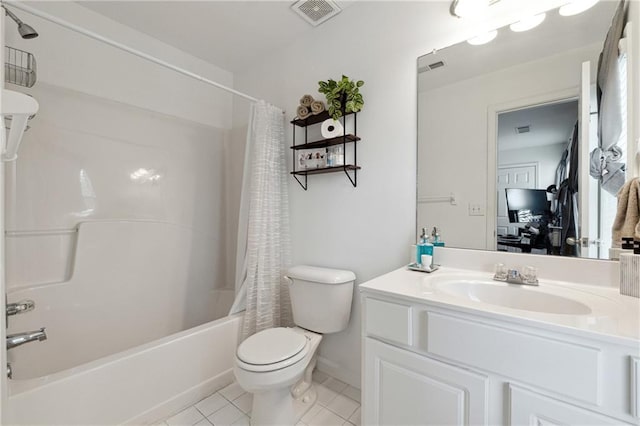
x=327 y=142
x=314 y=119
x=349 y=169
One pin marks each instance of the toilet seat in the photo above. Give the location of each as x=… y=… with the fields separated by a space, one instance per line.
x=272 y=349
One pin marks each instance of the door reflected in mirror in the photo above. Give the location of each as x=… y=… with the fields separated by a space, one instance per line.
x=505 y=129
x=533 y=149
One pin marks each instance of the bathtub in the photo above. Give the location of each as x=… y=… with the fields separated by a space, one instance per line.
x=134 y=313
x=138 y=386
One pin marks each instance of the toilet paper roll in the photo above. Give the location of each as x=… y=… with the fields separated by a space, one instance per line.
x=331 y=128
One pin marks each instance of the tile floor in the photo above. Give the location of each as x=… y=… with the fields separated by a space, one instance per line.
x=338 y=404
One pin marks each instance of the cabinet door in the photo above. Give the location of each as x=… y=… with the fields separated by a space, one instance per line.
x=531 y=409
x=403 y=388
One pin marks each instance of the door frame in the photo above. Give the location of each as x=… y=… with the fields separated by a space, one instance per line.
x=559 y=96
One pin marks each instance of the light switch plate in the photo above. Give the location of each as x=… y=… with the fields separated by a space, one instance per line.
x=476 y=209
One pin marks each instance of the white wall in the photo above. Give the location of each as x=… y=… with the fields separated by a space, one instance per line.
x=3 y=325
x=367 y=229
x=453 y=123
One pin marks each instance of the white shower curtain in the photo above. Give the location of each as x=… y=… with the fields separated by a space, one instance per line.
x=264 y=247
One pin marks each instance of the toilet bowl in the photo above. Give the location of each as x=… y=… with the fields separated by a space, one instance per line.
x=274 y=358
x=276 y=364
x=268 y=366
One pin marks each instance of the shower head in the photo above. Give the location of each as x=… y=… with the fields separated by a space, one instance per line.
x=26 y=31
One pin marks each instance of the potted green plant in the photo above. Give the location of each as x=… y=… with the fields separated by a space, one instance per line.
x=343 y=96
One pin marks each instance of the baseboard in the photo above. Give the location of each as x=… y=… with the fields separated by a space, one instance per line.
x=335 y=370
x=183 y=400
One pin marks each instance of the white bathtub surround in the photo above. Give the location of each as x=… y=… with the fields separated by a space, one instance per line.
x=137 y=386
x=118 y=297
x=147 y=167
x=117 y=230
x=338 y=404
x=264 y=247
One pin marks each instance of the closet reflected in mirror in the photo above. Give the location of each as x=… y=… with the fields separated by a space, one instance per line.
x=506 y=133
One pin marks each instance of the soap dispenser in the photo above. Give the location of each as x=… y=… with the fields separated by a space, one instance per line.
x=435 y=238
x=424 y=247
x=437 y=243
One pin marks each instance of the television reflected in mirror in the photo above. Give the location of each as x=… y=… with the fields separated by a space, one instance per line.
x=505 y=132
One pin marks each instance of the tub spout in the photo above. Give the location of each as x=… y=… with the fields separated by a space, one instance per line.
x=18 y=339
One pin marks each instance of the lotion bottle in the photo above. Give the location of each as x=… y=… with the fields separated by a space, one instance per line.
x=435 y=240
x=424 y=248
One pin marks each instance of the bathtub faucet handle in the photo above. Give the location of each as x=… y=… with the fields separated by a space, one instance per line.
x=19 y=339
x=20 y=307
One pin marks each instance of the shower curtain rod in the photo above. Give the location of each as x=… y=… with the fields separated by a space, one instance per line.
x=124 y=47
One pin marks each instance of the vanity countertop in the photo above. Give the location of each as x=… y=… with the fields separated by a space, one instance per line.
x=599 y=312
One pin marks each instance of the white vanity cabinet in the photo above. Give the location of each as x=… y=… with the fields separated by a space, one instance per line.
x=431 y=364
x=530 y=408
x=404 y=388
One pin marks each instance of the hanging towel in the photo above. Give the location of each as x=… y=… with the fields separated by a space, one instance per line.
x=306 y=100
x=607 y=168
x=303 y=112
x=317 y=107
x=627 y=221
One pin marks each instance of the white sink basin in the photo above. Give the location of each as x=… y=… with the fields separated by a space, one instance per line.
x=512 y=296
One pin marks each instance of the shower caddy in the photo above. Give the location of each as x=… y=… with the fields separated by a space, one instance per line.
x=19 y=67
x=344 y=139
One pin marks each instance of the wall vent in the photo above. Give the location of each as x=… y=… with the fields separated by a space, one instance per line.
x=316 y=12
x=523 y=129
x=432 y=66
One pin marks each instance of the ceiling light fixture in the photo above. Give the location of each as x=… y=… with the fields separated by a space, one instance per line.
x=464 y=8
x=576 y=6
x=483 y=38
x=527 y=23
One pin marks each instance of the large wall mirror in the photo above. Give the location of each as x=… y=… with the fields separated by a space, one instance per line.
x=504 y=128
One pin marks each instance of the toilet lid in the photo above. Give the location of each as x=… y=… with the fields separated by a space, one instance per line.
x=271 y=346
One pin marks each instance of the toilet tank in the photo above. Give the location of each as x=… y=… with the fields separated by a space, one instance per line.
x=321 y=297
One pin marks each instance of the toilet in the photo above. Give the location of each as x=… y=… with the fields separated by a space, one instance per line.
x=275 y=365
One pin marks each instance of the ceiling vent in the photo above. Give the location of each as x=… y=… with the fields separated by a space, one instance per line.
x=523 y=129
x=316 y=12
x=432 y=66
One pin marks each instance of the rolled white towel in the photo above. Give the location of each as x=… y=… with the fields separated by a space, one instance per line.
x=317 y=107
x=306 y=100
x=303 y=112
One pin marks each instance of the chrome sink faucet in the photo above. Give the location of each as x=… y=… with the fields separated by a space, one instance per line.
x=18 y=339
x=513 y=276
